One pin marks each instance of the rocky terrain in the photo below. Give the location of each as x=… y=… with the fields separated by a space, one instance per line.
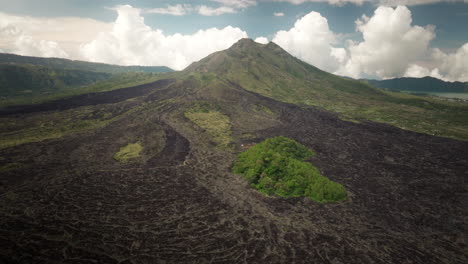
x=66 y=200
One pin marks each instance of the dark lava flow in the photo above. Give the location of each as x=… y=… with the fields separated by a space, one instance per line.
x=108 y=97
x=407 y=198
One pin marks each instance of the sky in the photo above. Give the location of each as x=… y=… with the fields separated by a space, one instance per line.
x=377 y=39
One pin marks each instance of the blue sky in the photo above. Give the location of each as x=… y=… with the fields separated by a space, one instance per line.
x=444 y=24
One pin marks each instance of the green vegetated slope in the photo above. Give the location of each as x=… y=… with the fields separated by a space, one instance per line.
x=30 y=80
x=272 y=72
x=24 y=79
x=65 y=64
x=213 y=121
x=16 y=131
x=128 y=152
x=277 y=166
x=115 y=82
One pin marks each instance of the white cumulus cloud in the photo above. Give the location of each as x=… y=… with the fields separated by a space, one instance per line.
x=449 y=67
x=215 y=11
x=132 y=42
x=26 y=45
x=454 y=66
x=311 y=40
x=175 y=10
x=261 y=40
x=278 y=14
x=418 y=71
x=390 y=44
x=47 y=37
x=237 y=3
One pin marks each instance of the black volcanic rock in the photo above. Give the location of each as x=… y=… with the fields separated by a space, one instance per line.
x=65 y=199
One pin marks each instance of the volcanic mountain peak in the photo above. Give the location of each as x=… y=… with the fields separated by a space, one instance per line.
x=254 y=58
x=269 y=70
x=246 y=43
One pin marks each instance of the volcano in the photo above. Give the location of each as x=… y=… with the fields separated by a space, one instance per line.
x=143 y=174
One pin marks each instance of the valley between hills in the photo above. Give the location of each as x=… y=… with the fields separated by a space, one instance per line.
x=143 y=173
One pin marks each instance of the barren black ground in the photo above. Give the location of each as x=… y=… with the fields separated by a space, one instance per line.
x=71 y=202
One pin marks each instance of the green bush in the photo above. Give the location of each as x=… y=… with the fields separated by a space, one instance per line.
x=276 y=167
x=128 y=152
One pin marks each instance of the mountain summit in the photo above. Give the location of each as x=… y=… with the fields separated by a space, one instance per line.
x=269 y=70
x=251 y=55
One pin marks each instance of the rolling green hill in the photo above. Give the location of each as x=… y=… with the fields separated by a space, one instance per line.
x=32 y=80
x=27 y=80
x=65 y=64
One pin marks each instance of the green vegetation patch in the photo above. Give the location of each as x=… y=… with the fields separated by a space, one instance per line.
x=276 y=166
x=217 y=124
x=262 y=108
x=51 y=125
x=40 y=95
x=130 y=151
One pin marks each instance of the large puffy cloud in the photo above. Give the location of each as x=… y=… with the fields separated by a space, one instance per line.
x=390 y=44
x=132 y=42
x=391 y=47
x=26 y=45
x=454 y=67
x=47 y=37
x=449 y=67
x=311 y=40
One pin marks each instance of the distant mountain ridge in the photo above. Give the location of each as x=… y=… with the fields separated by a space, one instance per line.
x=425 y=84
x=30 y=80
x=25 y=76
x=58 y=63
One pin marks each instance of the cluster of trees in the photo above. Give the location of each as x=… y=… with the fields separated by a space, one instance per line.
x=277 y=167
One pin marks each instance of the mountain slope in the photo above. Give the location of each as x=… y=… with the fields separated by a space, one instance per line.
x=272 y=72
x=65 y=64
x=66 y=198
x=29 y=80
x=426 y=84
